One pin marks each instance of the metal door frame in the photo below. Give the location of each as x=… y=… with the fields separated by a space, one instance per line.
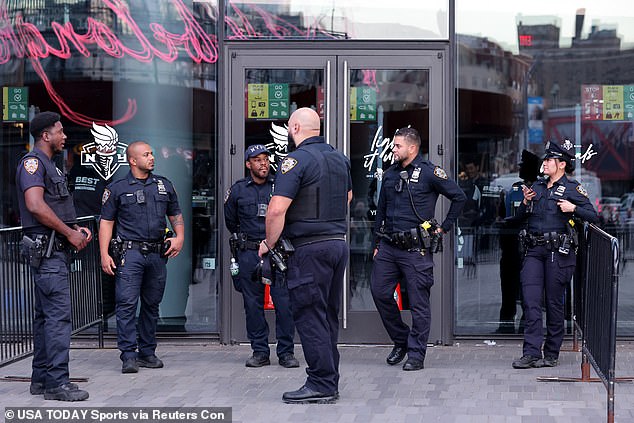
x=334 y=62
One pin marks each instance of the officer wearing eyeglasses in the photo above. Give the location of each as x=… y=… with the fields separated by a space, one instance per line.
x=549 y=243
x=133 y=212
x=404 y=227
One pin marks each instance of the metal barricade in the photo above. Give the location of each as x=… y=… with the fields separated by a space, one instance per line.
x=595 y=302
x=17 y=300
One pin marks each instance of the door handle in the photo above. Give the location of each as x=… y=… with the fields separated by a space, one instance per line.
x=327 y=105
x=346 y=122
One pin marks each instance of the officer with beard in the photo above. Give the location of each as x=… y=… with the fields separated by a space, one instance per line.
x=407 y=202
x=246 y=203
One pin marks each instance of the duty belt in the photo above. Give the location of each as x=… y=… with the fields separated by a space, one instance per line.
x=250 y=245
x=143 y=246
x=553 y=241
x=305 y=240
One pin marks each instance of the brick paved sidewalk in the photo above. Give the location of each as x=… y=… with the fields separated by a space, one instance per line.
x=468 y=382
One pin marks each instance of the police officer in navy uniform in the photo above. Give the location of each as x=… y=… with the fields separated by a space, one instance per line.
x=309 y=206
x=50 y=229
x=134 y=208
x=245 y=210
x=407 y=200
x=549 y=263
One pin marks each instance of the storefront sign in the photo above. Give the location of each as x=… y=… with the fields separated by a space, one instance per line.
x=607 y=102
x=613 y=102
x=15 y=104
x=106 y=155
x=628 y=101
x=267 y=101
x=591 y=102
x=362 y=104
x=380 y=149
x=24 y=40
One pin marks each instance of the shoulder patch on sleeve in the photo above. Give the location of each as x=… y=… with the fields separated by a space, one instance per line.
x=105 y=196
x=581 y=190
x=227 y=194
x=287 y=164
x=31 y=165
x=440 y=172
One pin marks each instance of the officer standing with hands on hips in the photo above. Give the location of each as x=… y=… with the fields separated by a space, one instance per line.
x=549 y=242
x=50 y=232
x=245 y=211
x=313 y=189
x=407 y=237
x=135 y=207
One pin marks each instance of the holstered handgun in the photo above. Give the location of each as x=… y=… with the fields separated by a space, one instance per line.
x=115 y=249
x=431 y=238
x=276 y=258
x=523 y=241
x=33 y=249
x=166 y=243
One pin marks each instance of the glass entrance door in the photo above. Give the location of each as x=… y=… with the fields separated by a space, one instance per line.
x=362 y=99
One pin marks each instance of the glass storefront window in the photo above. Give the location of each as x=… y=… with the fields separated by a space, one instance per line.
x=524 y=79
x=337 y=19
x=126 y=71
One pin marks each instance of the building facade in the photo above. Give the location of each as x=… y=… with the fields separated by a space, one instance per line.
x=202 y=80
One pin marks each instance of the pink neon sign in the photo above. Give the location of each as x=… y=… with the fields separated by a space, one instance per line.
x=24 y=40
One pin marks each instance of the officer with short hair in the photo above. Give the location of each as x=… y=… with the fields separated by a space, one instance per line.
x=548 y=207
x=309 y=206
x=245 y=211
x=138 y=205
x=50 y=232
x=406 y=207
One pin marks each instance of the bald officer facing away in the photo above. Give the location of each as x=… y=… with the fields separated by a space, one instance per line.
x=313 y=189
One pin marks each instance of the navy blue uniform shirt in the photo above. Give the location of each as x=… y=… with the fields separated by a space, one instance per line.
x=245 y=207
x=139 y=207
x=298 y=170
x=36 y=169
x=547 y=216
x=426 y=182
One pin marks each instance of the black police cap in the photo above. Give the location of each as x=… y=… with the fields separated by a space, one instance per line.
x=42 y=121
x=561 y=152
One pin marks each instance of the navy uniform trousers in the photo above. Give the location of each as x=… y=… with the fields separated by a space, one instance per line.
x=415 y=272
x=253 y=297
x=139 y=276
x=545 y=274
x=315 y=285
x=52 y=321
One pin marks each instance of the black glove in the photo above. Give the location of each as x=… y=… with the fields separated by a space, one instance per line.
x=268 y=273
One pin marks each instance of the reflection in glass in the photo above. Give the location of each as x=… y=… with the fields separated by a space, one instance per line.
x=270 y=98
x=381 y=101
x=523 y=79
x=336 y=19
x=147 y=87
